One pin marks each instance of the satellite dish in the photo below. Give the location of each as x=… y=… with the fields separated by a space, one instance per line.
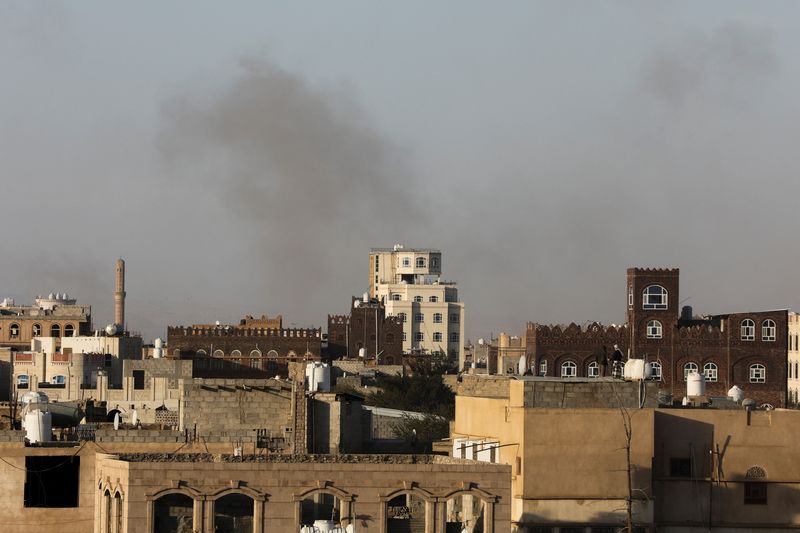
x=116 y=421
x=523 y=365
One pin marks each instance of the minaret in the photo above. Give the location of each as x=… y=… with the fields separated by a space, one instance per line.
x=119 y=295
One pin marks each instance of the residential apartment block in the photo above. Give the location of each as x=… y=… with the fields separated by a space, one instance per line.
x=408 y=282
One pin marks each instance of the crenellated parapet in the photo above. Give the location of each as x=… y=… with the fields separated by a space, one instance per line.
x=228 y=331
x=573 y=334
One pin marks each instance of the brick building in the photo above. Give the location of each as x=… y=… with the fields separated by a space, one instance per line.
x=56 y=315
x=246 y=344
x=747 y=349
x=369 y=327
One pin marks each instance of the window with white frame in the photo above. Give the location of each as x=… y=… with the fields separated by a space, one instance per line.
x=454 y=337
x=656 y=370
x=419 y=336
x=687 y=368
x=654 y=329
x=768 y=330
x=748 y=330
x=13 y=331
x=405 y=336
x=454 y=317
x=403 y=317
x=433 y=299
x=758 y=373
x=543 y=367
x=23 y=380
x=569 y=369
x=418 y=299
x=710 y=372
x=406 y=261
x=255 y=353
x=630 y=296
x=654 y=297
x=593 y=370
x=397 y=297
x=437 y=336
x=420 y=262
x=437 y=318
x=419 y=317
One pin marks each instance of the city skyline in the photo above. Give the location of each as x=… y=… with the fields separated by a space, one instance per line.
x=246 y=164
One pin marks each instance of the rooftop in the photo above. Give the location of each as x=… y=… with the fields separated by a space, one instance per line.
x=278 y=458
x=399 y=250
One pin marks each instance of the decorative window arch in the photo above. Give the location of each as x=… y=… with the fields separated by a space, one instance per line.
x=255 y=353
x=758 y=373
x=748 y=330
x=69 y=330
x=656 y=368
x=14 y=331
x=413 y=503
x=654 y=297
x=37 y=330
x=418 y=299
x=768 y=330
x=569 y=369
x=654 y=329
x=433 y=299
x=420 y=262
x=219 y=353
x=687 y=368
x=482 y=504
x=236 y=353
x=593 y=370
x=174 y=507
x=55 y=330
x=201 y=352
x=397 y=296
x=341 y=508
x=711 y=372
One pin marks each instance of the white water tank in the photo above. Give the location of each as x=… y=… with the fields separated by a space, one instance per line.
x=362 y=353
x=38 y=426
x=35 y=397
x=318 y=377
x=634 y=369
x=522 y=366
x=695 y=384
x=158 y=343
x=736 y=394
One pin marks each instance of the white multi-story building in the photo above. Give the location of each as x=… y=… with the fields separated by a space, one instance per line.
x=793 y=362
x=408 y=282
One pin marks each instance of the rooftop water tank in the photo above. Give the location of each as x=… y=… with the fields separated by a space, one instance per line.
x=159 y=343
x=637 y=370
x=736 y=393
x=695 y=384
x=34 y=397
x=318 y=377
x=38 y=426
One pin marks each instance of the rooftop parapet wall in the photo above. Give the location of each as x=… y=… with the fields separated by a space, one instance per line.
x=573 y=334
x=588 y=393
x=484 y=386
x=244 y=332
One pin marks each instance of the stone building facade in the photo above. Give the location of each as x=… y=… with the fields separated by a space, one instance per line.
x=54 y=316
x=261 y=349
x=368 y=327
x=746 y=349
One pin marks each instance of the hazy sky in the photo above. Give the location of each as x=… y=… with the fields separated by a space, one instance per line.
x=243 y=158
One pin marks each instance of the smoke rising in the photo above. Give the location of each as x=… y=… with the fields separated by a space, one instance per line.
x=303 y=176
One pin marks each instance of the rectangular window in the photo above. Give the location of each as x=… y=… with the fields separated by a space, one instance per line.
x=680 y=467
x=454 y=317
x=454 y=337
x=377 y=262
x=437 y=337
x=755 y=493
x=52 y=481
x=419 y=317
x=404 y=336
x=419 y=336
x=138 y=379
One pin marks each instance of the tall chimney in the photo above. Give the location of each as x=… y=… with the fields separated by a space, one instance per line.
x=119 y=295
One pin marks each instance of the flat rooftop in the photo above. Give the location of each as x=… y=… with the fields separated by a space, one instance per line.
x=401 y=250
x=301 y=458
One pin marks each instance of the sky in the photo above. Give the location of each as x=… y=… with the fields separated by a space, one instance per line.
x=243 y=158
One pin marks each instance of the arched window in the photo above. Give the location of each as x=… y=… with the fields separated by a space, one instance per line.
x=218 y=353
x=654 y=297
x=420 y=262
x=437 y=336
x=55 y=330
x=710 y=372
x=466 y=512
x=569 y=369
x=433 y=299
x=69 y=330
x=405 y=513
x=37 y=330
x=654 y=329
x=201 y=352
x=403 y=317
x=236 y=353
x=543 y=367
x=397 y=296
x=233 y=513
x=656 y=368
x=320 y=506
x=418 y=299
x=173 y=512
x=23 y=381
x=768 y=330
x=437 y=318
x=272 y=354
x=406 y=261
x=593 y=370
x=758 y=373
x=13 y=331
x=688 y=367
x=748 y=330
